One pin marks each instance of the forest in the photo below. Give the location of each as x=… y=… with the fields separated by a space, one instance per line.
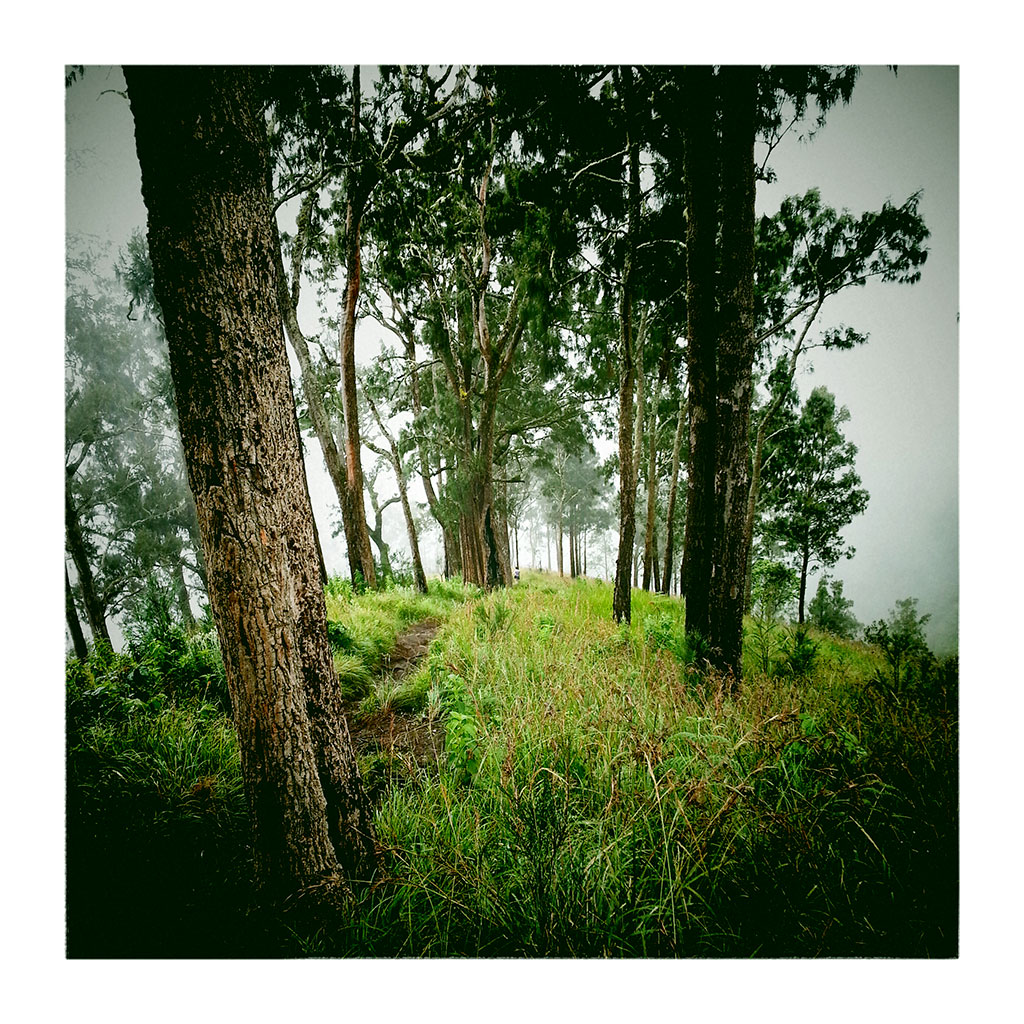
x=589 y=685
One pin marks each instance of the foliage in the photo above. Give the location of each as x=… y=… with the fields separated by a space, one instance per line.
x=595 y=799
x=832 y=612
x=813 y=490
x=774 y=586
x=901 y=637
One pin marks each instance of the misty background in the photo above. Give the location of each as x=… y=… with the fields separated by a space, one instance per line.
x=898 y=135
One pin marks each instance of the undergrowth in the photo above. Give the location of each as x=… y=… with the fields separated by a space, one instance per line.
x=600 y=794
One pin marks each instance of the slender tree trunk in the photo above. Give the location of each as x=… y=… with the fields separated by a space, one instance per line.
x=561 y=542
x=735 y=363
x=700 y=169
x=94 y=612
x=654 y=562
x=74 y=623
x=621 y=597
x=184 y=601
x=650 y=548
x=347 y=348
x=805 y=561
x=201 y=142
x=410 y=528
x=666 y=579
x=288 y=300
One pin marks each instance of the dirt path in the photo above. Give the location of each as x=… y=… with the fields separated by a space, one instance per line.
x=406 y=742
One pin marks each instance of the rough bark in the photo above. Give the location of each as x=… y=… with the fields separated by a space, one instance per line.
x=700 y=170
x=201 y=143
x=74 y=623
x=735 y=365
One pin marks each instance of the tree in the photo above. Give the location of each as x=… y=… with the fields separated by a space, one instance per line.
x=901 y=636
x=128 y=512
x=203 y=151
x=815 y=490
x=807 y=253
x=830 y=611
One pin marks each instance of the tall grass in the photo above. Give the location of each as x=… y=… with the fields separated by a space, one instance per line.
x=600 y=794
x=602 y=797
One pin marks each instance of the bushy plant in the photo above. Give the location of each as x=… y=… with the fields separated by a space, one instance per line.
x=901 y=637
x=831 y=612
x=773 y=587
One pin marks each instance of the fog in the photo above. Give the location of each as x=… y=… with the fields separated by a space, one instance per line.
x=897 y=136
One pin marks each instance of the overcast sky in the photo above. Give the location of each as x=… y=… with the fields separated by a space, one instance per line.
x=897 y=136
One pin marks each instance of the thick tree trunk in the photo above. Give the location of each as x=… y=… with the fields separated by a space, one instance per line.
x=701 y=172
x=201 y=142
x=94 y=611
x=735 y=363
x=74 y=623
x=666 y=579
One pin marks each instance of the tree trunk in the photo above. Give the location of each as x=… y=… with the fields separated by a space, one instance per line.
x=288 y=303
x=419 y=575
x=94 y=612
x=622 y=594
x=666 y=578
x=347 y=351
x=700 y=169
x=202 y=148
x=765 y=419
x=804 y=563
x=735 y=363
x=650 y=548
x=184 y=601
x=74 y=623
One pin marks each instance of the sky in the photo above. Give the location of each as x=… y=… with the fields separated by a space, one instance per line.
x=898 y=135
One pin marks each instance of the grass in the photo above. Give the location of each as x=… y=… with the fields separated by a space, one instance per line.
x=601 y=796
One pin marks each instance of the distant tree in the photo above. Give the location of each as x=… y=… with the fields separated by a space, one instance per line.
x=815 y=490
x=202 y=147
x=807 y=253
x=830 y=611
x=900 y=636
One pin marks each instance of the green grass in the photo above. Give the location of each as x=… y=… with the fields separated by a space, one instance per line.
x=600 y=795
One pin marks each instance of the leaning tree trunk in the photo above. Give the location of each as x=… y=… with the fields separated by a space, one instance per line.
x=202 y=148
x=74 y=623
x=700 y=169
x=735 y=365
x=288 y=302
